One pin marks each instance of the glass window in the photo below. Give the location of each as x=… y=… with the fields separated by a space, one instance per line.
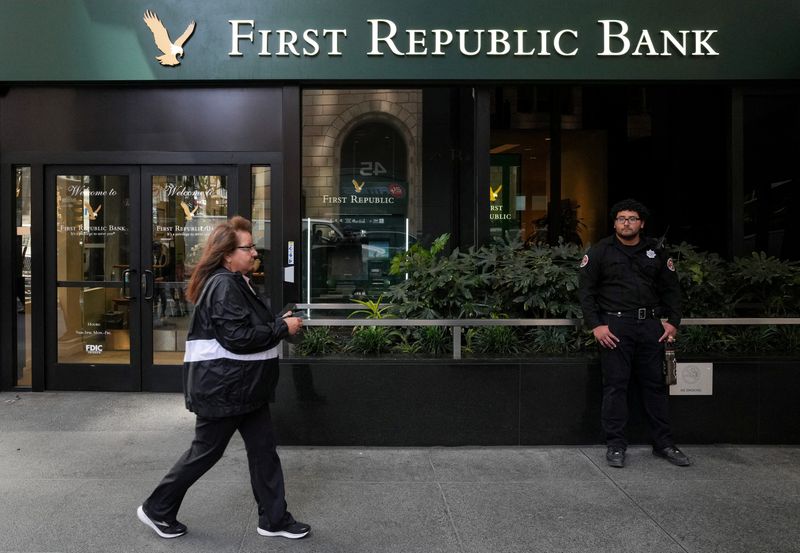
x=361 y=189
x=22 y=284
x=770 y=201
x=261 y=185
x=93 y=253
x=507 y=203
x=521 y=175
x=186 y=208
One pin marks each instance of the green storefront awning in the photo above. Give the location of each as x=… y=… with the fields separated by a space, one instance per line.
x=409 y=40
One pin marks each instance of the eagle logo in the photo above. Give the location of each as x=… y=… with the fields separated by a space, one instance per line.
x=189 y=214
x=358 y=186
x=494 y=193
x=170 y=49
x=92 y=212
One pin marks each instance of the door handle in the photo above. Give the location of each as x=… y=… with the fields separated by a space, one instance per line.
x=126 y=283
x=148 y=284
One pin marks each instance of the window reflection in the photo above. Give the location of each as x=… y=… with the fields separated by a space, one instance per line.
x=186 y=208
x=92 y=227
x=261 y=187
x=93 y=254
x=22 y=284
x=361 y=190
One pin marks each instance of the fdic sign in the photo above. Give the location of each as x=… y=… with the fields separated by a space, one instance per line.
x=94 y=349
x=694 y=379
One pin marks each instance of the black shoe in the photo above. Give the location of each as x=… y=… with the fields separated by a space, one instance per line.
x=164 y=529
x=615 y=456
x=673 y=455
x=293 y=531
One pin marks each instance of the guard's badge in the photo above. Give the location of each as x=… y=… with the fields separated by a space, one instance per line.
x=651 y=254
x=584 y=261
x=670 y=265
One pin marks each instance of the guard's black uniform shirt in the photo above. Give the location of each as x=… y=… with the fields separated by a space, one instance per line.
x=617 y=278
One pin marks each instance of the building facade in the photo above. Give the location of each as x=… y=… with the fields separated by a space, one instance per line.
x=129 y=128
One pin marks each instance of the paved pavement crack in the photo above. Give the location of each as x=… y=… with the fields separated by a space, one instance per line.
x=253 y=510
x=446 y=506
x=636 y=503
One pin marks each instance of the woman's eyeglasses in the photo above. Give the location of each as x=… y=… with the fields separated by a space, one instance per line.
x=250 y=247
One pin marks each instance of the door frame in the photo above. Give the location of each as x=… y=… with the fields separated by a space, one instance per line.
x=142 y=375
x=99 y=376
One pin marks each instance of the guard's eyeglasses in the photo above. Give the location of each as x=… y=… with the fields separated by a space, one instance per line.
x=623 y=220
x=250 y=247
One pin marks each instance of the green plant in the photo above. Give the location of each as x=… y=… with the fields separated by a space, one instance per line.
x=439 y=285
x=554 y=339
x=432 y=340
x=704 y=283
x=317 y=341
x=751 y=339
x=502 y=277
x=703 y=339
x=499 y=340
x=372 y=340
x=406 y=343
x=539 y=281
x=787 y=339
x=765 y=285
x=372 y=309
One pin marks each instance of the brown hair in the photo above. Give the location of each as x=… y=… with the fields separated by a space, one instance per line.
x=221 y=242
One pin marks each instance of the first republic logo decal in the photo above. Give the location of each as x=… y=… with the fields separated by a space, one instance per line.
x=171 y=50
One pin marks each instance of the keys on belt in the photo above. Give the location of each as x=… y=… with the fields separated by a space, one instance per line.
x=641 y=313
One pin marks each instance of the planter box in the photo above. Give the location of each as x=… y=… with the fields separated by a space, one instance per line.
x=418 y=402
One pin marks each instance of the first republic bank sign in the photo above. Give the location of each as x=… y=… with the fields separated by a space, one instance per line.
x=387 y=38
x=410 y=40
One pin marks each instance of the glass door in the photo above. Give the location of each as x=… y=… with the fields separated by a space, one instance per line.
x=126 y=242
x=183 y=205
x=94 y=303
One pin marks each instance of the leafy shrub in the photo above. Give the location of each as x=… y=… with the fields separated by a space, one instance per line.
x=317 y=341
x=438 y=285
x=787 y=339
x=750 y=339
x=432 y=340
x=372 y=340
x=497 y=340
x=704 y=282
x=504 y=277
x=554 y=339
x=372 y=309
x=703 y=339
x=510 y=279
x=765 y=285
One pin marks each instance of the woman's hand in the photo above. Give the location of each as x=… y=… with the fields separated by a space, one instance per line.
x=294 y=324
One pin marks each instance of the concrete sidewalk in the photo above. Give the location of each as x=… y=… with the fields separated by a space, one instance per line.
x=74 y=467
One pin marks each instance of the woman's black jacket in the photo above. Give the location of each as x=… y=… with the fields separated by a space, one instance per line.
x=231 y=361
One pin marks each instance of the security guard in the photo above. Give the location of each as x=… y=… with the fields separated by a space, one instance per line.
x=626 y=286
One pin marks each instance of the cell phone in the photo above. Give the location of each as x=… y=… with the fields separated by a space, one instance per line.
x=286 y=308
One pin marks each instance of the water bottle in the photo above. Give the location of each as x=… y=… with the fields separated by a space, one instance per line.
x=670 y=364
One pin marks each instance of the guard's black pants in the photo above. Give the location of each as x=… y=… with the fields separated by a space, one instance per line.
x=210 y=440
x=639 y=351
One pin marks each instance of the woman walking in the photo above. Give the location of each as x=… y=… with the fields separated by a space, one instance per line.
x=230 y=371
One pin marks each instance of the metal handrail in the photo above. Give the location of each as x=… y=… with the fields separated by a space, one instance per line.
x=459 y=324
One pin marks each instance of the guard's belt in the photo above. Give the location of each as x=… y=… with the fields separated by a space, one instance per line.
x=641 y=313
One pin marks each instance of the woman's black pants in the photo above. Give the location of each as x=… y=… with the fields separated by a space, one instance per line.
x=210 y=440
